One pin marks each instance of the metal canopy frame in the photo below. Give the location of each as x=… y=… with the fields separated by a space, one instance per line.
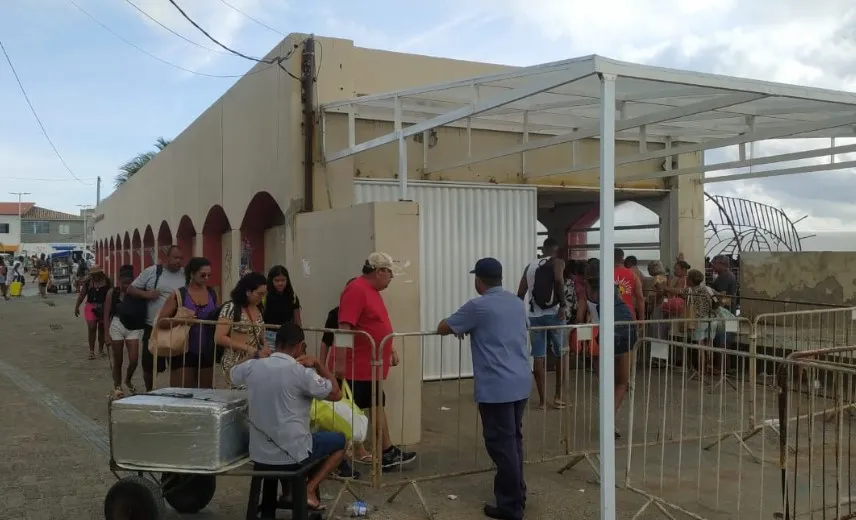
x=567 y=101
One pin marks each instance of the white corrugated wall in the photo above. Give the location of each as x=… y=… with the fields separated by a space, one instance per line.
x=460 y=223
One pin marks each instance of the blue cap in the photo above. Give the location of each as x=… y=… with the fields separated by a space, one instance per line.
x=488 y=268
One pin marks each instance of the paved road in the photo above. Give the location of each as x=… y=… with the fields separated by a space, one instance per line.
x=53 y=440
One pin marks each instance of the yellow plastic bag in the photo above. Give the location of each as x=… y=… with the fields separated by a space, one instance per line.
x=15 y=289
x=341 y=417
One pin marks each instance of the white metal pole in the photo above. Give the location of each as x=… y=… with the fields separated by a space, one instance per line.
x=402 y=151
x=607 y=297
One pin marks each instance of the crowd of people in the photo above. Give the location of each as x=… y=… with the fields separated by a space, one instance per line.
x=255 y=339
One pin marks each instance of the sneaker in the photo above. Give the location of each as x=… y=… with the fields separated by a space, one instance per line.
x=394 y=458
x=346 y=471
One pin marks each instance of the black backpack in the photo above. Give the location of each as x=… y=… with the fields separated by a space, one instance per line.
x=133 y=312
x=544 y=286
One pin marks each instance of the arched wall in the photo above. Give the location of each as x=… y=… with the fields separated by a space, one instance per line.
x=263 y=213
x=215 y=227
x=164 y=240
x=137 y=253
x=149 y=247
x=185 y=237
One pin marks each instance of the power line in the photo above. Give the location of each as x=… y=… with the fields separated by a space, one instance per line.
x=36 y=115
x=149 y=54
x=42 y=179
x=188 y=40
x=233 y=51
x=266 y=26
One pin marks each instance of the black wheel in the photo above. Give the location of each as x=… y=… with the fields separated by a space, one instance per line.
x=188 y=494
x=134 y=498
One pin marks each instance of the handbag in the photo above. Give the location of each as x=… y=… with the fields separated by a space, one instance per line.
x=341 y=417
x=173 y=341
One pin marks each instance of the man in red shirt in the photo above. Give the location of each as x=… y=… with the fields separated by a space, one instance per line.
x=361 y=308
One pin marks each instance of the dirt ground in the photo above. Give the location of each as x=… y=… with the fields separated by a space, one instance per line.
x=54 y=464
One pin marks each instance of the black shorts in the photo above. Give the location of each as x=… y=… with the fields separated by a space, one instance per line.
x=192 y=360
x=146 y=358
x=363 y=394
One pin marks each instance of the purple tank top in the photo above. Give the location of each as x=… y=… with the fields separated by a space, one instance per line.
x=199 y=335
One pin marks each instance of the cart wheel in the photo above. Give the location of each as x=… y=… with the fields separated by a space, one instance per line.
x=188 y=494
x=134 y=498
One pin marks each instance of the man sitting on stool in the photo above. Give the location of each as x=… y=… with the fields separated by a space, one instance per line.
x=281 y=387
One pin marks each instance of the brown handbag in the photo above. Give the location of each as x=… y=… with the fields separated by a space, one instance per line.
x=173 y=341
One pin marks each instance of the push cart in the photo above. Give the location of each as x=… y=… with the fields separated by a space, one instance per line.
x=145 y=489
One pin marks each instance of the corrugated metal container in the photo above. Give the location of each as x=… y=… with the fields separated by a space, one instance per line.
x=460 y=223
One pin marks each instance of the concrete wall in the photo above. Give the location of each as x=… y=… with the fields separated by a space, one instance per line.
x=817 y=277
x=333 y=246
x=59 y=231
x=12 y=237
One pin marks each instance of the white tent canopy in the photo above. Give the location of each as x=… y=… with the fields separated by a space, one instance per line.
x=562 y=100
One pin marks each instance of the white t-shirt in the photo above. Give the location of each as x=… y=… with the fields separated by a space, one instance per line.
x=534 y=310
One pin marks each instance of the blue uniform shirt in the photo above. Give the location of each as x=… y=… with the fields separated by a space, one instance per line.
x=497 y=325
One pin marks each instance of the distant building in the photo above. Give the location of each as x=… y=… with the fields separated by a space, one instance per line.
x=46 y=231
x=10 y=231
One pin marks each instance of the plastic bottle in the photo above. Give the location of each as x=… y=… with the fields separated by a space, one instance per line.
x=358 y=509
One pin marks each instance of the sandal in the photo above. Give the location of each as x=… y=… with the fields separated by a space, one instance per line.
x=117 y=393
x=131 y=388
x=91 y=355
x=365 y=459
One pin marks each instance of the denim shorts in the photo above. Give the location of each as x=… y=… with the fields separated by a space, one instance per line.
x=558 y=338
x=325 y=444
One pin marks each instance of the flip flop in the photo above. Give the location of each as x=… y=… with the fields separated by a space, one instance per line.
x=91 y=356
x=365 y=459
x=317 y=507
x=559 y=405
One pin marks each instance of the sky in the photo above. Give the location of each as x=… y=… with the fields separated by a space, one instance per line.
x=102 y=100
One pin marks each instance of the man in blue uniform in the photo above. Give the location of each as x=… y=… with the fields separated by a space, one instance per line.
x=496 y=322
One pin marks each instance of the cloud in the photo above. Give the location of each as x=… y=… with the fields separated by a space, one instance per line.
x=792 y=41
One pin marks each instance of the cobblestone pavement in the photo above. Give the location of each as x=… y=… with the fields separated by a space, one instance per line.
x=53 y=440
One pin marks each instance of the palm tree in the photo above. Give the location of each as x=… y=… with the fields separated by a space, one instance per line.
x=127 y=170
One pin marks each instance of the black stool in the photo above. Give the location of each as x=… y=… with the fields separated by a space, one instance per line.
x=295 y=476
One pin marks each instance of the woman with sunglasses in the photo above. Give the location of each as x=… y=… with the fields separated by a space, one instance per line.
x=194 y=369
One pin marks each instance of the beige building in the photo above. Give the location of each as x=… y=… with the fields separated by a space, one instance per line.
x=330 y=151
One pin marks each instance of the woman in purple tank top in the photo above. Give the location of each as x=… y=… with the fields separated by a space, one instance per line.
x=195 y=369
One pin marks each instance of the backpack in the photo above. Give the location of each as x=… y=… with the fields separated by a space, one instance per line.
x=133 y=312
x=543 y=288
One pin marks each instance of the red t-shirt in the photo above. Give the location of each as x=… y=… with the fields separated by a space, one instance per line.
x=626 y=282
x=362 y=307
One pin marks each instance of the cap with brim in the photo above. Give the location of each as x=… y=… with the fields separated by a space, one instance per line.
x=489 y=268
x=380 y=260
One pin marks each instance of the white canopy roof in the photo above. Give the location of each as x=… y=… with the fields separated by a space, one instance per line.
x=653 y=104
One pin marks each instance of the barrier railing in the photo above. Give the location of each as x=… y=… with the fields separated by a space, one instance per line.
x=682 y=400
x=200 y=366
x=761 y=476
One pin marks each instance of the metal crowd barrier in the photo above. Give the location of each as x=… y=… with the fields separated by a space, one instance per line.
x=676 y=414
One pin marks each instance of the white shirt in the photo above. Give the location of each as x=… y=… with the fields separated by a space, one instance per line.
x=534 y=310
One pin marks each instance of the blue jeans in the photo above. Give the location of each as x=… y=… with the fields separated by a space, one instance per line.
x=557 y=337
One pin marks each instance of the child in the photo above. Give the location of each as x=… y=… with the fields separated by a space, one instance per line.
x=44 y=277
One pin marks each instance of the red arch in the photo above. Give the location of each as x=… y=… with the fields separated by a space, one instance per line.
x=576 y=237
x=164 y=240
x=108 y=260
x=99 y=252
x=262 y=213
x=185 y=236
x=148 y=247
x=216 y=223
x=136 y=255
x=127 y=252
x=117 y=259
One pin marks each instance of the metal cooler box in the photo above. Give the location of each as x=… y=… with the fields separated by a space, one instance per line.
x=180 y=429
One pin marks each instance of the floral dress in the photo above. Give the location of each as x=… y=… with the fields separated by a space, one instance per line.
x=253 y=330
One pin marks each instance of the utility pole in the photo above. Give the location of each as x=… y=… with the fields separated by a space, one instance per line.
x=98 y=191
x=84 y=211
x=20 y=194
